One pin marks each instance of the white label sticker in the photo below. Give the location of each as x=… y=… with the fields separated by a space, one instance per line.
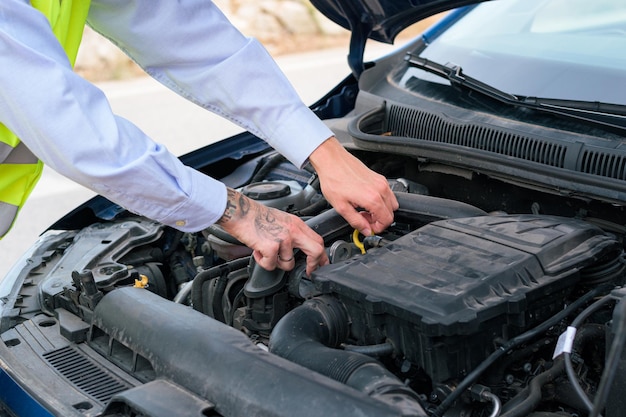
x=565 y=342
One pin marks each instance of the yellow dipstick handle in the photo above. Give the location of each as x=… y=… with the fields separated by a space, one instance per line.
x=357 y=242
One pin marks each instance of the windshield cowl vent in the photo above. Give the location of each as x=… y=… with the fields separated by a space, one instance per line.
x=603 y=164
x=436 y=135
x=417 y=124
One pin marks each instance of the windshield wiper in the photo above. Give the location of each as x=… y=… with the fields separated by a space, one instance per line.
x=606 y=114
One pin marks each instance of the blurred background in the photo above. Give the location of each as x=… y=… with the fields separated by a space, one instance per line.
x=282 y=26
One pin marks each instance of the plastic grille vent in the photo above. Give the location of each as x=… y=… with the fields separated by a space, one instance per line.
x=603 y=164
x=85 y=374
x=417 y=124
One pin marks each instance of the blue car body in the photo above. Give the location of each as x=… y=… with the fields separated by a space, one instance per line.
x=497 y=291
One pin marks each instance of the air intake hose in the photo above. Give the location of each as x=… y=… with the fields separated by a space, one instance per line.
x=413 y=208
x=309 y=335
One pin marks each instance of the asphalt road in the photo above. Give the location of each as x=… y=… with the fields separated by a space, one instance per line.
x=170 y=120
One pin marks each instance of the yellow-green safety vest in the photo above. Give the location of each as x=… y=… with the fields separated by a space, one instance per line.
x=19 y=168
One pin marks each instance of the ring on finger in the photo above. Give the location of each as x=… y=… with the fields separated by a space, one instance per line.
x=285 y=260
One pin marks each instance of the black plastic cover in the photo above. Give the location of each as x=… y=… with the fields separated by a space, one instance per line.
x=98 y=248
x=450 y=288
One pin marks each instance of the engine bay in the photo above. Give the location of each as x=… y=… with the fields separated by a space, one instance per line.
x=454 y=309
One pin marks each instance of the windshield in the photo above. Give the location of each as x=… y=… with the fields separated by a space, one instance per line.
x=561 y=49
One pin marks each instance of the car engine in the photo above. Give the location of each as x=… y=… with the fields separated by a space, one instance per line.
x=454 y=310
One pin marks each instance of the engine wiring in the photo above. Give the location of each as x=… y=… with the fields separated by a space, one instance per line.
x=567 y=355
x=610 y=369
x=473 y=376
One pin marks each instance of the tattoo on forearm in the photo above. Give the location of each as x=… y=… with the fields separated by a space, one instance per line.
x=244 y=205
x=266 y=224
x=237 y=206
x=231 y=206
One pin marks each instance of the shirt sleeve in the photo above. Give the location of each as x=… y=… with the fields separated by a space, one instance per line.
x=68 y=123
x=191 y=47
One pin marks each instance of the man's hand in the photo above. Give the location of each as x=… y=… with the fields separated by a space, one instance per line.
x=271 y=233
x=348 y=185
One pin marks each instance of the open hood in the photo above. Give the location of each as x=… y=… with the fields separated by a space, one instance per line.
x=380 y=20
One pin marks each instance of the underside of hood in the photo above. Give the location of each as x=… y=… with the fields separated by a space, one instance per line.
x=380 y=20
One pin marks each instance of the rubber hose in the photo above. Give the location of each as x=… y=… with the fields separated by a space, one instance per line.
x=313 y=208
x=413 y=208
x=545 y=414
x=533 y=391
x=220 y=273
x=272 y=163
x=612 y=361
x=511 y=344
x=566 y=393
x=563 y=393
x=309 y=334
x=569 y=367
x=383 y=349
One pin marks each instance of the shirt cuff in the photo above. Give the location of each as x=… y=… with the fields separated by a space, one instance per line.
x=296 y=145
x=202 y=208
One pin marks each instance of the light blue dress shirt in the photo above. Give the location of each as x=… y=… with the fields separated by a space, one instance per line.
x=187 y=45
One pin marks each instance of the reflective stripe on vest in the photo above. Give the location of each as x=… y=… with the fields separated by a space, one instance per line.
x=19 y=168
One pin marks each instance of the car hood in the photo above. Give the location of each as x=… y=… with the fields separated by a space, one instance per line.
x=380 y=20
x=383 y=19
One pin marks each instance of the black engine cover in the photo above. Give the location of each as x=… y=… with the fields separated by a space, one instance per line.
x=444 y=293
